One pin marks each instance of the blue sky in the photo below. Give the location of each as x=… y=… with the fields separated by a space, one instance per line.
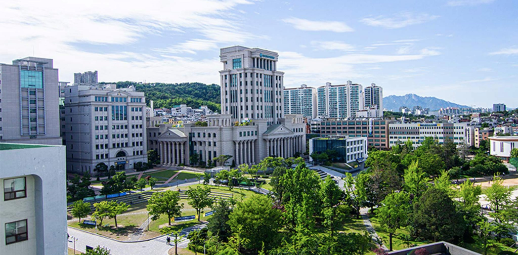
x=465 y=51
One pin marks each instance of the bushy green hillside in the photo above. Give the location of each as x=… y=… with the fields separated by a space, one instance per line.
x=167 y=95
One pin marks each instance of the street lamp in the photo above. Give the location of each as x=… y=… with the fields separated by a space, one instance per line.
x=74 y=239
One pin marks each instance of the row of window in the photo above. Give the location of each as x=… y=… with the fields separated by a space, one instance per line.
x=201 y=143
x=15 y=188
x=247 y=133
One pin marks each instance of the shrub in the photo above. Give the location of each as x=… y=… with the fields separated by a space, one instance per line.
x=507 y=242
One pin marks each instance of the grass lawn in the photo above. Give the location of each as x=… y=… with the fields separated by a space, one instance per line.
x=127 y=225
x=477 y=247
x=267 y=186
x=71 y=251
x=397 y=244
x=166 y=174
x=353 y=225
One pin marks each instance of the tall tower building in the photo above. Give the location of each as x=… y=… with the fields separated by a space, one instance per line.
x=29 y=102
x=374 y=98
x=301 y=100
x=339 y=101
x=251 y=86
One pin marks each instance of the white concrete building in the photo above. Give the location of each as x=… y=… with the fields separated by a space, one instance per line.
x=104 y=125
x=416 y=132
x=339 y=101
x=33 y=208
x=374 y=99
x=29 y=102
x=349 y=149
x=301 y=100
x=251 y=85
x=253 y=125
x=501 y=146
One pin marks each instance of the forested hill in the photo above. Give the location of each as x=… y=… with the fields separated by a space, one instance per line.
x=166 y=95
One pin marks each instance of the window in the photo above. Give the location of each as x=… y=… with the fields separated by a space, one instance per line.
x=16 y=232
x=14 y=188
x=236 y=63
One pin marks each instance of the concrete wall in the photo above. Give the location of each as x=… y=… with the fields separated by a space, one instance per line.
x=45 y=205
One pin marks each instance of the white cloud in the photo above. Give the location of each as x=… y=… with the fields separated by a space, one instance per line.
x=507 y=51
x=487 y=79
x=430 y=52
x=62 y=30
x=310 y=25
x=468 y=2
x=404 y=50
x=399 y=20
x=316 y=71
x=332 y=45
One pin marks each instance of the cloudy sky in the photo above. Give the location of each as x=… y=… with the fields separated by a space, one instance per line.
x=465 y=51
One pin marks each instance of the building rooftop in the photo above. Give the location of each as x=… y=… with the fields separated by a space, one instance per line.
x=17 y=146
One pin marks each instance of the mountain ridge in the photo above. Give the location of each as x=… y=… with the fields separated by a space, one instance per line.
x=393 y=102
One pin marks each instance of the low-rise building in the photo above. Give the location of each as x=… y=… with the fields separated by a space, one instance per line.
x=33 y=208
x=246 y=143
x=348 y=149
x=482 y=134
x=375 y=130
x=417 y=132
x=501 y=146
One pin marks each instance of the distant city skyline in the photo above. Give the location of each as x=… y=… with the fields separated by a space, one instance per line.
x=463 y=51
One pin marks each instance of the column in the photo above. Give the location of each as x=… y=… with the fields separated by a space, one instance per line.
x=182 y=157
x=161 y=146
x=253 y=152
x=176 y=153
x=249 y=151
x=237 y=152
x=166 y=152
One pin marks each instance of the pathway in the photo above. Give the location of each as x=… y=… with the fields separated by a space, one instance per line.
x=370 y=228
x=140 y=175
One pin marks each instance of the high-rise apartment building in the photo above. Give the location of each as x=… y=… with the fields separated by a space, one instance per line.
x=339 y=101
x=499 y=108
x=301 y=100
x=374 y=98
x=29 y=99
x=251 y=86
x=104 y=125
x=86 y=78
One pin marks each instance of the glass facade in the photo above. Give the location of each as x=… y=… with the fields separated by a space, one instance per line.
x=236 y=63
x=119 y=112
x=31 y=79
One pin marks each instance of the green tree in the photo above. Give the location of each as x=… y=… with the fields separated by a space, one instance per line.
x=101 y=168
x=394 y=213
x=431 y=164
x=301 y=202
x=206 y=178
x=486 y=230
x=80 y=209
x=351 y=194
x=498 y=195
x=152 y=182
x=140 y=184
x=153 y=157
x=118 y=182
x=166 y=202
x=415 y=180
x=103 y=210
x=218 y=225
x=331 y=196
x=435 y=217
x=98 y=251
x=194 y=159
x=221 y=159
x=199 y=198
x=196 y=239
x=116 y=209
x=514 y=153
x=256 y=222
x=443 y=182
